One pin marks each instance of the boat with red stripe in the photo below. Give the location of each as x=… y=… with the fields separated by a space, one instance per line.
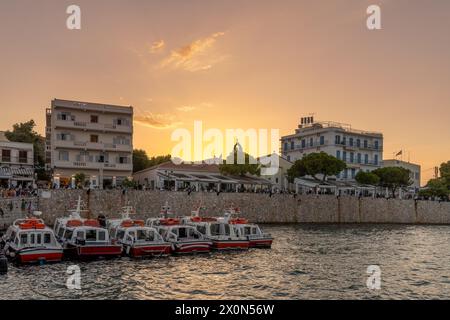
x=29 y=240
x=137 y=239
x=185 y=239
x=256 y=237
x=84 y=237
x=218 y=230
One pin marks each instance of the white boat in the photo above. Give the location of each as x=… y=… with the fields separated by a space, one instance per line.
x=84 y=238
x=184 y=238
x=137 y=239
x=220 y=231
x=256 y=237
x=29 y=240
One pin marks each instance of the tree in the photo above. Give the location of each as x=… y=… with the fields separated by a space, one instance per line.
x=445 y=172
x=315 y=164
x=80 y=179
x=436 y=188
x=154 y=161
x=297 y=170
x=232 y=166
x=140 y=160
x=393 y=178
x=129 y=184
x=324 y=164
x=24 y=132
x=367 y=178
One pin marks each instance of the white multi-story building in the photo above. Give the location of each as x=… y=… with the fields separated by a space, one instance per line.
x=361 y=150
x=16 y=163
x=414 y=169
x=90 y=138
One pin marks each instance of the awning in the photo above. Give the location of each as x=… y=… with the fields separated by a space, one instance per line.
x=22 y=171
x=5 y=173
x=212 y=178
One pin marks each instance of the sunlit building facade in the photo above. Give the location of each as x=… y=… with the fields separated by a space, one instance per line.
x=359 y=149
x=90 y=138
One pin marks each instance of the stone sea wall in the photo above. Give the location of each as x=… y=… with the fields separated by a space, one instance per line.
x=12 y=209
x=259 y=208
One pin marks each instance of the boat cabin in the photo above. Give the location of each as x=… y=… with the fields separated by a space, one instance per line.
x=86 y=235
x=180 y=233
x=252 y=231
x=217 y=229
x=26 y=233
x=137 y=235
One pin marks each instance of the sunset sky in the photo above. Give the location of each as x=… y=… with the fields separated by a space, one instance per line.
x=237 y=64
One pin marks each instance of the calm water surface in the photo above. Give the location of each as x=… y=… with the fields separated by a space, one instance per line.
x=306 y=262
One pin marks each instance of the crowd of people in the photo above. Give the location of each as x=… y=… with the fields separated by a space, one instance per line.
x=29 y=192
x=18 y=192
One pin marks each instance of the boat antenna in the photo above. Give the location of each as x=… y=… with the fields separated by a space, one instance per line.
x=196 y=212
x=77 y=212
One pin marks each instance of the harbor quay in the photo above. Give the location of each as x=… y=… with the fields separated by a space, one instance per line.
x=258 y=208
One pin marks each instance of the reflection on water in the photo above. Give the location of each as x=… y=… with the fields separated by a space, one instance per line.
x=306 y=262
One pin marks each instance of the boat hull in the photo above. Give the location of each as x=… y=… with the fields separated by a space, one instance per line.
x=230 y=244
x=35 y=255
x=99 y=251
x=192 y=247
x=261 y=243
x=137 y=251
x=93 y=251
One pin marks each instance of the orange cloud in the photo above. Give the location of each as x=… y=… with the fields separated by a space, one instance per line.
x=157 y=46
x=188 y=108
x=194 y=56
x=156 y=121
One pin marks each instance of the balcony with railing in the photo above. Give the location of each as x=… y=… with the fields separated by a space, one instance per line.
x=308 y=145
x=82 y=145
x=93 y=126
x=354 y=146
x=355 y=162
x=95 y=165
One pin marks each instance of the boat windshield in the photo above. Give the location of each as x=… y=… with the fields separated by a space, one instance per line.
x=186 y=233
x=201 y=229
x=33 y=238
x=145 y=235
x=12 y=236
x=23 y=239
x=61 y=232
x=68 y=234
x=91 y=235
x=120 y=234
x=220 y=229
x=250 y=230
